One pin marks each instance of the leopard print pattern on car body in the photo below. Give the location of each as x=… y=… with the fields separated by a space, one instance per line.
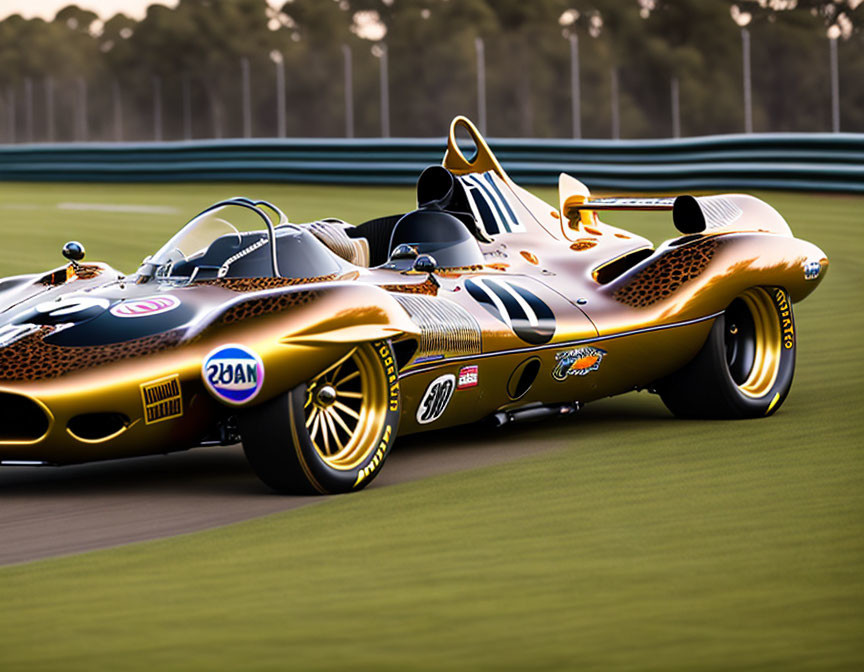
x=666 y=275
x=32 y=358
x=266 y=304
x=245 y=285
x=428 y=286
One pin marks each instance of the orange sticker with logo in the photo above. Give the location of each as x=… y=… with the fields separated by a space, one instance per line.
x=579 y=362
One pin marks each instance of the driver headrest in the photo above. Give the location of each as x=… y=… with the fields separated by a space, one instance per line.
x=438 y=233
x=428 y=226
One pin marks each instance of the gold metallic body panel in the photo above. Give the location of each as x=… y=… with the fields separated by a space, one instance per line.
x=630 y=362
x=294 y=344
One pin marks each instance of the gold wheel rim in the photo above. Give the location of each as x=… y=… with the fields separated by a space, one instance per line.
x=767 y=342
x=345 y=408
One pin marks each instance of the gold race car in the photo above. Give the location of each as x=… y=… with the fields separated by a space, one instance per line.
x=317 y=344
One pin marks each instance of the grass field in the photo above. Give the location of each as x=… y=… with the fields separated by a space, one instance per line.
x=649 y=543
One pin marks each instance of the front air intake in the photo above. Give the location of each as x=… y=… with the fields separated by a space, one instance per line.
x=21 y=418
x=97 y=426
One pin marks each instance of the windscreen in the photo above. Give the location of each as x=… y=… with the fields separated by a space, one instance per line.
x=233 y=240
x=194 y=239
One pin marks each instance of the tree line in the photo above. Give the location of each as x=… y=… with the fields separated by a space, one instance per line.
x=178 y=72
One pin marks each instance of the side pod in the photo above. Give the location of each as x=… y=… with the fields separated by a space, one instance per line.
x=691 y=278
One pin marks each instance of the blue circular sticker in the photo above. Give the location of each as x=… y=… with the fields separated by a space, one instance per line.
x=233 y=373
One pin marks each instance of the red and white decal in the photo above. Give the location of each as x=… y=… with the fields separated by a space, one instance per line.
x=152 y=305
x=468 y=377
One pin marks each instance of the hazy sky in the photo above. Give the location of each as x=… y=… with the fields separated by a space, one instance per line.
x=105 y=8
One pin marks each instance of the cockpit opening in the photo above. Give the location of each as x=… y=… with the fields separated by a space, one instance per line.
x=227 y=241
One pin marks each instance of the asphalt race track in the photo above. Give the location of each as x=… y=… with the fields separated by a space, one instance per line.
x=51 y=511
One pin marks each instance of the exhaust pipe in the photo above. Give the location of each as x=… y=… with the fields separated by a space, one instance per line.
x=534 y=412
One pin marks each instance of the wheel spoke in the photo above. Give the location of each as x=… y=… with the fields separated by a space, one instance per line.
x=350 y=376
x=314 y=432
x=338 y=418
x=311 y=417
x=328 y=416
x=336 y=364
x=346 y=409
x=351 y=395
x=325 y=434
x=335 y=372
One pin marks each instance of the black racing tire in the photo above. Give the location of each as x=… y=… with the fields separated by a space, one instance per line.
x=332 y=433
x=746 y=366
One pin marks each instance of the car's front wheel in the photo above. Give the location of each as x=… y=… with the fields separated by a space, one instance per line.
x=332 y=433
x=745 y=368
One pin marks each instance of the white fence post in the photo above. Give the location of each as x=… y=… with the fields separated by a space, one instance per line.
x=835 y=87
x=187 y=108
x=281 y=123
x=49 y=109
x=480 y=50
x=157 y=109
x=676 y=109
x=82 y=110
x=575 y=92
x=385 y=93
x=28 y=109
x=748 y=95
x=247 y=98
x=10 y=115
x=118 y=111
x=347 y=66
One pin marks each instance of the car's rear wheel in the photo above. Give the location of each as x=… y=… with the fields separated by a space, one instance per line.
x=746 y=366
x=332 y=433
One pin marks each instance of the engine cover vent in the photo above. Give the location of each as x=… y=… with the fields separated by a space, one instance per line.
x=445 y=328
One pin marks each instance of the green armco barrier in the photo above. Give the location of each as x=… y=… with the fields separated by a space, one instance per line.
x=804 y=161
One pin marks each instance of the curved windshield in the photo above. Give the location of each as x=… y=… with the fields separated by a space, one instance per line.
x=237 y=239
x=226 y=222
x=194 y=239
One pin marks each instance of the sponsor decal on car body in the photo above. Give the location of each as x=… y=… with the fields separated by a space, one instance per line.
x=162 y=399
x=468 y=377
x=152 y=305
x=233 y=373
x=579 y=362
x=435 y=399
x=812 y=269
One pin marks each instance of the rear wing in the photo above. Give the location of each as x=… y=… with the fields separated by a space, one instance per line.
x=696 y=214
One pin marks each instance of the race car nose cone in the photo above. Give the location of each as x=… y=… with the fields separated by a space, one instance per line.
x=326 y=395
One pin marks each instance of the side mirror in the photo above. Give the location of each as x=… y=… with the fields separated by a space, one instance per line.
x=73 y=251
x=403 y=251
x=425 y=263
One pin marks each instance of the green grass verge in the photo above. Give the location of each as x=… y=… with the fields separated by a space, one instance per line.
x=648 y=543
